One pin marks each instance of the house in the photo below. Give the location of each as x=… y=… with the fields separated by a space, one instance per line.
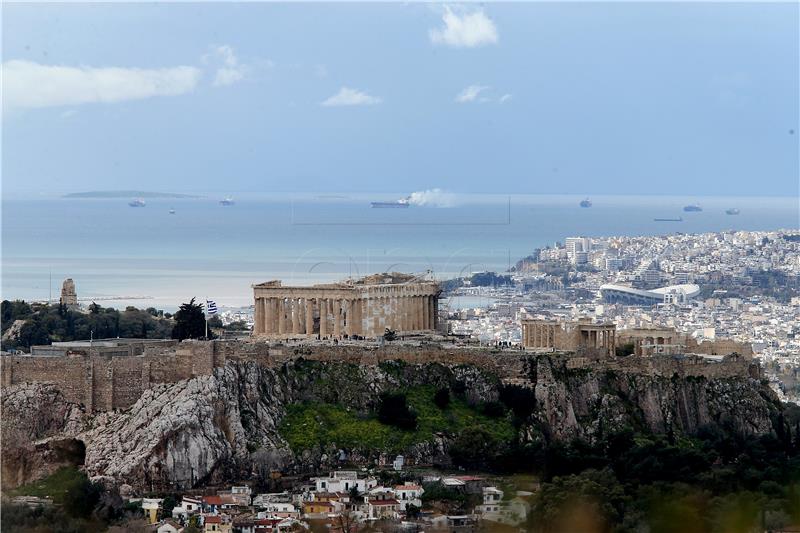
x=492 y=501
x=180 y=514
x=274 y=525
x=318 y=509
x=238 y=496
x=449 y=523
x=279 y=510
x=150 y=506
x=383 y=509
x=192 y=504
x=212 y=504
x=244 y=525
x=408 y=494
x=343 y=481
x=471 y=484
x=169 y=526
x=217 y=524
x=262 y=500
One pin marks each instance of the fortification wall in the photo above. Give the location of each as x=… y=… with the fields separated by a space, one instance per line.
x=107 y=382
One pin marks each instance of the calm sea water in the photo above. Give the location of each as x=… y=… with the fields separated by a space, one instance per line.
x=208 y=250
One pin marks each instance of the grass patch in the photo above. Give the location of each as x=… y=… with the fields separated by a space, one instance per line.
x=311 y=424
x=55 y=486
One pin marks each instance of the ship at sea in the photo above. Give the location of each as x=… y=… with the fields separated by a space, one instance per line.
x=401 y=203
x=732 y=211
x=227 y=201
x=586 y=203
x=137 y=202
x=679 y=219
x=171 y=211
x=692 y=208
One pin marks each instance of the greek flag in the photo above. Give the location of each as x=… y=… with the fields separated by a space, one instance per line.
x=211 y=307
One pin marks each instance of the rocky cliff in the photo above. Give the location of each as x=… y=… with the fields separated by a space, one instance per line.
x=228 y=426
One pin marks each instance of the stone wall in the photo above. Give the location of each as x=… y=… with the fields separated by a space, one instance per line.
x=103 y=383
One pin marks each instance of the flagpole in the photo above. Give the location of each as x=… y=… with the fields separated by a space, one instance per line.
x=206 y=317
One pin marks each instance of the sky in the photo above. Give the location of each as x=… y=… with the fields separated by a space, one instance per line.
x=561 y=98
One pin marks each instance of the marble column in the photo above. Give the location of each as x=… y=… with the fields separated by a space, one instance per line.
x=268 y=315
x=347 y=317
x=294 y=306
x=337 y=318
x=323 y=316
x=358 y=305
x=258 y=326
x=309 y=316
x=281 y=316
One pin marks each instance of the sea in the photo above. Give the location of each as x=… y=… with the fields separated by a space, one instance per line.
x=147 y=257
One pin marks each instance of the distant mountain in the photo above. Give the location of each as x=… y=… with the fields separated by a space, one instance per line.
x=127 y=194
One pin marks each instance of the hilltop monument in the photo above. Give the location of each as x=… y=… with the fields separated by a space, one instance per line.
x=68 y=295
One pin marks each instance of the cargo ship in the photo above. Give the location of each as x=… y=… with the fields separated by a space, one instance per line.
x=586 y=203
x=137 y=202
x=732 y=211
x=227 y=201
x=692 y=208
x=403 y=202
x=679 y=219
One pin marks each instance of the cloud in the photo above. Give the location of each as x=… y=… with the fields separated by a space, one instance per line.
x=470 y=94
x=505 y=98
x=27 y=84
x=466 y=30
x=231 y=70
x=347 y=96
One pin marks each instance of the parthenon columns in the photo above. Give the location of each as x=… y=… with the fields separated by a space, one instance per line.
x=340 y=310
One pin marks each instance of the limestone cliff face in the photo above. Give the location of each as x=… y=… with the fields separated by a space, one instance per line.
x=586 y=404
x=34 y=419
x=225 y=426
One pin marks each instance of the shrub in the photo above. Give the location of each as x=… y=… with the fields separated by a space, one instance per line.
x=493 y=409
x=442 y=398
x=394 y=411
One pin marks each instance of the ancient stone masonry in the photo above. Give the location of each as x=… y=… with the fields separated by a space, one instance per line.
x=68 y=295
x=652 y=341
x=667 y=341
x=582 y=337
x=104 y=383
x=364 y=307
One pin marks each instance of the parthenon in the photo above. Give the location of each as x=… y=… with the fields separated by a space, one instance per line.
x=364 y=307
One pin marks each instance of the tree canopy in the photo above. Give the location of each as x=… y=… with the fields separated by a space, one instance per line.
x=190 y=322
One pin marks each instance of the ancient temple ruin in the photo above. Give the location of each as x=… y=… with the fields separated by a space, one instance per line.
x=364 y=307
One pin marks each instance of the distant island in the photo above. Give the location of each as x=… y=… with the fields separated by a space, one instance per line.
x=127 y=194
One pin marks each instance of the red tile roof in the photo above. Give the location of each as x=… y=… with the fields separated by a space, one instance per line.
x=384 y=502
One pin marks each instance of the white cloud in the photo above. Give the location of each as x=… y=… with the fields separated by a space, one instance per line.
x=505 y=98
x=465 y=30
x=347 y=96
x=231 y=70
x=470 y=94
x=27 y=84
